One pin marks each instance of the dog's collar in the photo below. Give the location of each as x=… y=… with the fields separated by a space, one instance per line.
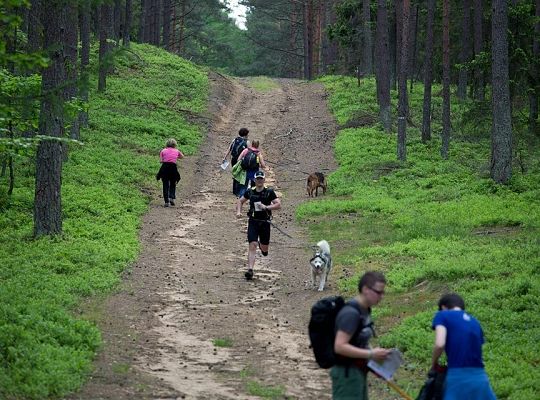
x=319 y=255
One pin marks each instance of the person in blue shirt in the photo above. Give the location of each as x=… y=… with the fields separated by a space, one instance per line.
x=460 y=336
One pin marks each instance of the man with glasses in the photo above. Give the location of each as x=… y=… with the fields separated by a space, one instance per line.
x=262 y=201
x=354 y=328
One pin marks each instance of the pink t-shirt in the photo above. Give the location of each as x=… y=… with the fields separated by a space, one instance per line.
x=170 y=154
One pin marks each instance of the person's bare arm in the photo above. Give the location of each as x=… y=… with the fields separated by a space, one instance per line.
x=276 y=205
x=344 y=348
x=438 y=347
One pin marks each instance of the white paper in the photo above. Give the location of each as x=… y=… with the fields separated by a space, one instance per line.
x=388 y=367
x=258 y=206
x=224 y=165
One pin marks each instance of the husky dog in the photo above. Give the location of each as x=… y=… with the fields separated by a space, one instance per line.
x=321 y=263
x=314 y=182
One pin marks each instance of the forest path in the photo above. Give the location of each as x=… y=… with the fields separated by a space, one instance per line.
x=187 y=288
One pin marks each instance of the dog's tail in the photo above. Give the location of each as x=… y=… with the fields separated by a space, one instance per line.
x=324 y=246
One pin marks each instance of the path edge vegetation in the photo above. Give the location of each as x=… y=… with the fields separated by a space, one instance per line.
x=433 y=226
x=108 y=181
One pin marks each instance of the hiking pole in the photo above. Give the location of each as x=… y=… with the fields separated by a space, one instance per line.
x=399 y=390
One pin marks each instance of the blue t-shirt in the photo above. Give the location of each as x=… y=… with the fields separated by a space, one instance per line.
x=464 y=338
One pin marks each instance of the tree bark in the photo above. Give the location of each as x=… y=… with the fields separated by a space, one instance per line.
x=104 y=47
x=84 y=28
x=535 y=74
x=71 y=40
x=127 y=25
x=166 y=24
x=446 y=81
x=368 y=41
x=35 y=29
x=308 y=40
x=478 y=48
x=382 y=70
x=403 y=99
x=501 y=134
x=413 y=33
x=47 y=196
x=428 y=73
x=117 y=20
x=465 y=49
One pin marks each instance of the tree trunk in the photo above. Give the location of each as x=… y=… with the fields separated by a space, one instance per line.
x=166 y=24
x=70 y=51
x=35 y=29
x=142 y=21
x=478 y=48
x=413 y=33
x=446 y=80
x=382 y=70
x=330 y=46
x=308 y=41
x=368 y=41
x=117 y=21
x=84 y=21
x=127 y=25
x=428 y=73
x=104 y=47
x=182 y=27
x=47 y=197
x=535 y=74
x=403 y=101
x=501 y=134
x=465 y=50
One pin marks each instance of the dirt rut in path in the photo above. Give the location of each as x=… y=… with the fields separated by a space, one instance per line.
x=187 y=288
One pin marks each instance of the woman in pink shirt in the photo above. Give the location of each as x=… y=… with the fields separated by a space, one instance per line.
x=168 y=173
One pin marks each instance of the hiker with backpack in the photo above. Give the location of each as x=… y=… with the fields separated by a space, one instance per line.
x=353 y=330
x=168 y=171
x=262 y=201
x=235 y=149
x=460 y=336
x=251 y=160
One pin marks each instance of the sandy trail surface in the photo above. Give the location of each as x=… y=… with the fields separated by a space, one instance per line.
x=187 y=288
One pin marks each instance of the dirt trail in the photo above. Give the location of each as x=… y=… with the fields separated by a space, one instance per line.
x=187 y=288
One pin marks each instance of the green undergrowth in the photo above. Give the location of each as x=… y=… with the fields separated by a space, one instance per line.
x=45 y=350
x=434 y=225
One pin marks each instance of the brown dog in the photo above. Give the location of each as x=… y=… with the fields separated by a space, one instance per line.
x=314 y=182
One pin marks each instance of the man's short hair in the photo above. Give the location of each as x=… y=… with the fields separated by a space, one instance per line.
x=451 y=300
x=370 y=278
x=243 y=132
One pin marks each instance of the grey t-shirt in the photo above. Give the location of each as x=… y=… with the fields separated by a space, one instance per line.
x=357 y=324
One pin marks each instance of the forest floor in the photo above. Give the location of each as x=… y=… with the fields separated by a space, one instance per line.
x=187 y=290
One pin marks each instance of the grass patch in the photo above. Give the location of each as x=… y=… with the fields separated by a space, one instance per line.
x=225 y=342
x=45 y=350
x=256 y=388
x=263 y=84
x=432 y=226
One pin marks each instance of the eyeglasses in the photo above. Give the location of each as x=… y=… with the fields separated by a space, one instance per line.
x=379 y=292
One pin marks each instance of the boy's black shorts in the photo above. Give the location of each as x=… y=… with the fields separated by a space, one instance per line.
x=258 y=231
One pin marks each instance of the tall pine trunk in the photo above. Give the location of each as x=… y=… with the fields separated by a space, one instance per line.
x=428 y=73
x=446 y=81
x=368 y=41
x=84 y=28
x=127 y=26
x=465 y=49
x=478 y=48
x=71 y=65
x=535 y=74
x=104 y=47
x=382 y=67
x=167 y=8
x=48 y=183
x=402 y=85
x=501 y=134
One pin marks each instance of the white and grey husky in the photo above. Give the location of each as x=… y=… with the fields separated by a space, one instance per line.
x=321 y=264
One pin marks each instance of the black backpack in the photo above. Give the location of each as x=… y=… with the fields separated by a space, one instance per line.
x=250 y=161
x=433 y=387
x=238 y=146
x=321 y=328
